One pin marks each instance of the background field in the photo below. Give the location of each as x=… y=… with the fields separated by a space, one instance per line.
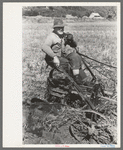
x=97 y=40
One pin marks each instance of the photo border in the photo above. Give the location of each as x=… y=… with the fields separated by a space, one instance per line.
x=2 y=49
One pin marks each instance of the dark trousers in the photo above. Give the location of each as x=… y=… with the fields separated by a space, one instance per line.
x=69 y=63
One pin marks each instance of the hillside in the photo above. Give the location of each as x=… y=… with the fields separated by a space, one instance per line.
x=108 y=12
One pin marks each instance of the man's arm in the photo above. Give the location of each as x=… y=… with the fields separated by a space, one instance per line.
x=47 y=47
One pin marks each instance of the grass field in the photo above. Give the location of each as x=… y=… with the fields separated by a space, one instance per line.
x=97 y=40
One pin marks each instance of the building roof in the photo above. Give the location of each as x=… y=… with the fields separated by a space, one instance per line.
x=92 y=15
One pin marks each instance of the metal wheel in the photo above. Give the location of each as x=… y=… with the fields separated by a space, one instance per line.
x=92 y=128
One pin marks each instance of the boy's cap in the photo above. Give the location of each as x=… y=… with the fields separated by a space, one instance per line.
x=58 y=23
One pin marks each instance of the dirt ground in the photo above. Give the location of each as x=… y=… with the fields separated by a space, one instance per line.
x=45 y=124
x=34 y=133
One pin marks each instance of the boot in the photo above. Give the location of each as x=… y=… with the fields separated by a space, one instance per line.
x=78 y=79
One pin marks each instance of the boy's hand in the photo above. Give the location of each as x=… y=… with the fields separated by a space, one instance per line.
x=56 y=61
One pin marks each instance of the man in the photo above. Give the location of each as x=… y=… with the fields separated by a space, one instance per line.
x=60 y=50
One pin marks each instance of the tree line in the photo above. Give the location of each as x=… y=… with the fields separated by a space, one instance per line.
x=108 y=12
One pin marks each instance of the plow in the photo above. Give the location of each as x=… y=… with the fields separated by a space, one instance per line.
x=89 y=111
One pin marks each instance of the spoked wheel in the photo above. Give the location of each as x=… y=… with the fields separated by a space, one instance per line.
x=91 y=127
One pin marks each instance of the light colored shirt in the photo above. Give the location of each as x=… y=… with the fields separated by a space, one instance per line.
x=54 y=46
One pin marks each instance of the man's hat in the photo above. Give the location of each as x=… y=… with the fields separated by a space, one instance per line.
x=58 y=23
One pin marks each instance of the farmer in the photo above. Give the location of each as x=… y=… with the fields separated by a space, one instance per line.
x=60 y=51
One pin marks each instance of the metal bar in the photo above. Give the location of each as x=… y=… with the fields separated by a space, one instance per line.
x=88 y=68
x=95 y=60
x=78 y=89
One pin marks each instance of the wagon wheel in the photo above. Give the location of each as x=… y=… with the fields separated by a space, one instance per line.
x=91 y=127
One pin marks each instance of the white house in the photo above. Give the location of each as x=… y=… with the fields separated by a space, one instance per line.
x=95 y=16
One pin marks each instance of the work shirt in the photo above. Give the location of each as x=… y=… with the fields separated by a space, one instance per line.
x=55 y=46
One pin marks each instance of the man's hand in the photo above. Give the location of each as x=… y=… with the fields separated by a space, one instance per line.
x=77 y=49
x=56 y=61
